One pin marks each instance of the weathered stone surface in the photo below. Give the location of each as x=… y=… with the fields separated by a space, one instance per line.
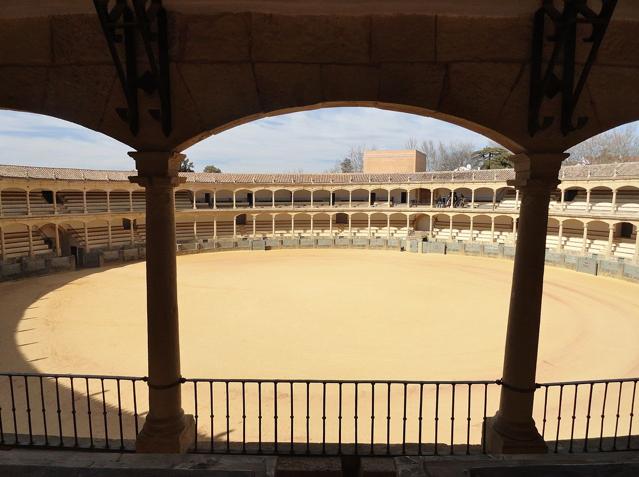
x=620 y=44
x=493 y=250
x=207 y=245
x=9 y=270
x=290 y=243
x=188 y=246
x=412 y=246
x=473 y=248
x=325 y=39
x=350 y=83
x=403 y=38
x=258 y=245
x=376 y=242
x=79 y=93
x=483 y=39
x=360 y=242
x=476 y=91
x=399 y=84
x=223 y=37
x=111 y=255
x=243 y=244
x=587 y=265
x=610 y=268
x=222 y=92
x=307 y=242
x=29 y=41
x=283 y=85
x=226 y=244
x=342 y=242
x=570 y=261
x=33 y=264
x=23 y=88
x=509 y=251
x=554 y=257
x=434 y=247
x=325 y=242
x=631 y=271
x=79 y=39
x=62 y=263
x=273 y=243
x=130 y=254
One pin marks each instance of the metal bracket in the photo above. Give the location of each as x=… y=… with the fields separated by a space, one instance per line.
x=564 y=41
x=122 y=25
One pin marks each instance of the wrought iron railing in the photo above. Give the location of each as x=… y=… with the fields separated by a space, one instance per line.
x=311 y=417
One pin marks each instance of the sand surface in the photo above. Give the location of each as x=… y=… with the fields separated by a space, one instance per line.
x=323 y=314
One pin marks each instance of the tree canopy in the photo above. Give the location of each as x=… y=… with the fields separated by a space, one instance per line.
x=212 y=168
x=186 y=165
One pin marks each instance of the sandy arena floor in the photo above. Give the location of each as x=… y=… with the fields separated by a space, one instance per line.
x=340 y=314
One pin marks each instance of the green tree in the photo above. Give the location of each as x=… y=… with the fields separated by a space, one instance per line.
x=212 y=169
x=346 y=165
x=492 y=157
x=186 y=165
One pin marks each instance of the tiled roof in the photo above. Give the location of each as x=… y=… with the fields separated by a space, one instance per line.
x=567 y=172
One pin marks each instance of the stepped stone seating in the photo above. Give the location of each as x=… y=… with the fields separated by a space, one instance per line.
x=139 y=201
x=183 y=200
x=70 y=202
x=96 y=202
x=119 y=201
x=628 y=202
x=16 y=244
x=99 y=236
x=624 y=248
x=14 y=203
x=39 y=205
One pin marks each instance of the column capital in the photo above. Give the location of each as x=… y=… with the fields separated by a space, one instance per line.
x=159 y=168
x=537 y=171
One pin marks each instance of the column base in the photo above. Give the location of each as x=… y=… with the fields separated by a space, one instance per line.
x=506 y=438
x=166 y=438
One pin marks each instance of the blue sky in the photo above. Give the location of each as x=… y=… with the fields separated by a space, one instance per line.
x=311 y=141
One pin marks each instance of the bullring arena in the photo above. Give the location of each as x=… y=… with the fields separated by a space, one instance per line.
x=312 y=277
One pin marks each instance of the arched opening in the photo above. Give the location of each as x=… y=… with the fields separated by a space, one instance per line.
x=573 y=235
x=283 y=225
x=224 y=199
x=302 y=225
x=70 y=201
x=421 y=223
x=627 y=200
x=552 y=234
x=283 y=198
x=360 y=198
x=442 y=231
x=321 y=197
x=120 y=201
x=462 y=197
x=322 y=225
x=506 y=198
x=505 y=229
x=483 y=198
x=340 y=198
x=421 y=196
x=263 y=225
x=461 y=227
x=41 y=201
x=14 y=202
x=597 y=238
x=359 y=225
x=243 y=198
x=575 y=199
x=399 y=197
x=601 y=200
x=441 y=196
x=379 y=197
x=96 y=201
x=399 y=226
x=483 y=228
x=625 y=241
x=302 y=198
x=264 y=198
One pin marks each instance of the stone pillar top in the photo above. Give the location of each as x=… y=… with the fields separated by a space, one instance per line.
x=537 y=170
x=157 y=168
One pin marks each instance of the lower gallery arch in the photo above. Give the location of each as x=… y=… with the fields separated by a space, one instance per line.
x=442 y=229
x=626 y=200
x=626 y=241
x=483 y=198
x=461 y=227
x=283 y=224
x=283 y=198
x=302 y=198
x=321 y=197
x=359 y=225
x=264 y=198
x=302 y=224
x=441 y=197
x=421 y=223
x=597 y=235
x=322 y=225
x=379 y=225
x=572 y=232
x=552 y=234
x=482 y=228
x=505 y=229
x=399 y=225
x=263 y=225
x=379 y=197
x=360 y=198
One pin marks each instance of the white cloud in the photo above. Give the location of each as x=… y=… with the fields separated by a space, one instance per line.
x=311 y=140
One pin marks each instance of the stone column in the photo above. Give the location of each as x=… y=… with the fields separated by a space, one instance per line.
x=432 y=194
x=108 y=193
x=55 y=202
x=430 y=225
x=512 y=429
x=562 y=205
x=58 y=251
x=492 y=230
x=451 y=228
x=350 y=199
x=312 y=199
x=560 y=234
x=613 y=205
x=84 y=200
x=369 y=225
x=472 y=199
x=29 y=203
x=166 y=428
x=471 y=228
x=588 y=200
x=611 y=236
x=494 y=197
x=584 y=243
x=254 y=226
x=388 y=227
x=636 y=244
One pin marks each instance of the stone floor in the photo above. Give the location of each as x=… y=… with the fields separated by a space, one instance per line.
x=51 y=463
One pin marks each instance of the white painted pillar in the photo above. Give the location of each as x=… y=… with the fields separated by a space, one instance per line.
x=432 y=194
x=407 y=225
x=254 y=196
x=388 y=198
x=350 y=198
x=492 y=229
x=350 y=228
x=292 y=226
x=471 y=228
x=292 y=199
x=588 y=200
x=58 y=251
x=273 y=198
x=613 y=205
x=132 y=233
x=130 y=201
x=472 y=199
x=193 y=194
x=108 y=194
x=195 y=229
x=55 y=203
x=562 y=204
x=516 y=199
x=215 y=199
x=512 y=429
x=29 y=203
x=636 y=244
x=611 y=236
x=515 y=229
x=312 y=199
x=560 y=234
x=494 y=198
x=369 y=225
x=234 y=199
x=330 y=224
x=235 y=226
x=84 y=200
x=370 y=197
x=109 y=242
x=312 y=234
x=254 y=227
x=430 y=225
x=31 y=240
x=585 y=239
x=450 y=230
x=273 y=225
